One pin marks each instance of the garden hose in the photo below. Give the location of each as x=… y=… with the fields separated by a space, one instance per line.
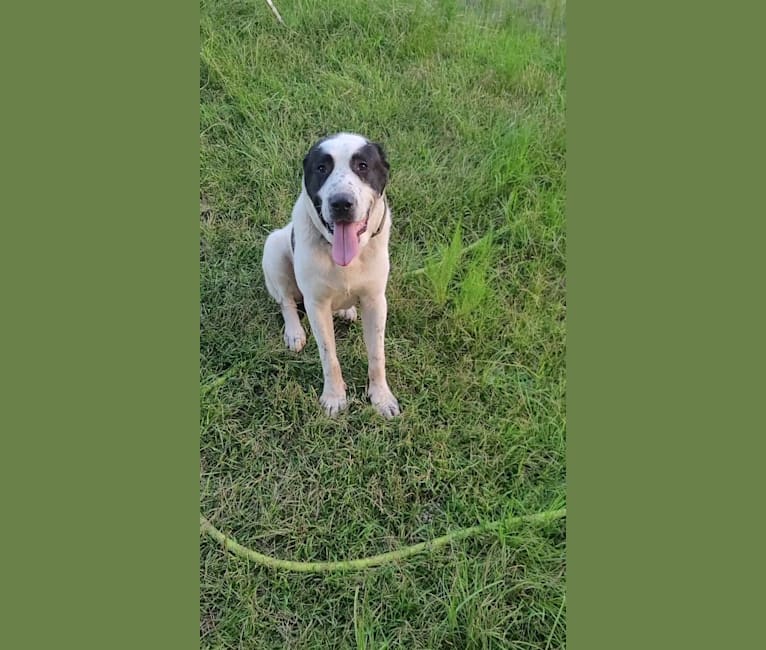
x=243 y=552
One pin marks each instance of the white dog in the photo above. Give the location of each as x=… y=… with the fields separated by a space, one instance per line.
x=333 y=255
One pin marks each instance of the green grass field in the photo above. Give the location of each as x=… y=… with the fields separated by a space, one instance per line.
x=469 y=100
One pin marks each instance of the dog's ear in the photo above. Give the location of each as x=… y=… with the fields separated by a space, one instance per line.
x=379 y=173
x=382 y=153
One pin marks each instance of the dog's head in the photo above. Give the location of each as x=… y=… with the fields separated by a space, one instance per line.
x=344 y=176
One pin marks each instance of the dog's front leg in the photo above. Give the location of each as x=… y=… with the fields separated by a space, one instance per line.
x=374 y=312
x=333 y=397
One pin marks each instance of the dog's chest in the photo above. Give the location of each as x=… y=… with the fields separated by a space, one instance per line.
x=345 y=292
x=342 y=286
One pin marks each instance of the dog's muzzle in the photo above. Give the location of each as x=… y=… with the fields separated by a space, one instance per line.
x=342 y=208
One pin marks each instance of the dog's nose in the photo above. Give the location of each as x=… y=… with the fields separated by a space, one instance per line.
x=341 y=205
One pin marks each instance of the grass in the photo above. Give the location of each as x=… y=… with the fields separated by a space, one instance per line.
x=468 y=98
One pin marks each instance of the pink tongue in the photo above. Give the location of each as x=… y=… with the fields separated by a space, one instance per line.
x=345 y=243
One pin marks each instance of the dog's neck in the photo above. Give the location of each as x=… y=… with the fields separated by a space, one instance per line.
x=382 y=200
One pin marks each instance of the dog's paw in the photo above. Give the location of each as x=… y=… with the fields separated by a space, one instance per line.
x=295 y=339
x=383 y=399
x=347 y=314
x=333 y=403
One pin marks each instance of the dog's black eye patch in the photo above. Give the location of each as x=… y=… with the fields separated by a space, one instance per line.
x=370 y=164
x=317 y=166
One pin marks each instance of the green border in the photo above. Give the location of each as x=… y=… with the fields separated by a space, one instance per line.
x=665 y=277
x=101 y=314
x=100 y=352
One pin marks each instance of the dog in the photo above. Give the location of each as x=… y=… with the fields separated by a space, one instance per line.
x=333 y=256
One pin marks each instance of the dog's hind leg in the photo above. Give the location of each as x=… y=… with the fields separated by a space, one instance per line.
x=280 y=282
x=347 y=314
